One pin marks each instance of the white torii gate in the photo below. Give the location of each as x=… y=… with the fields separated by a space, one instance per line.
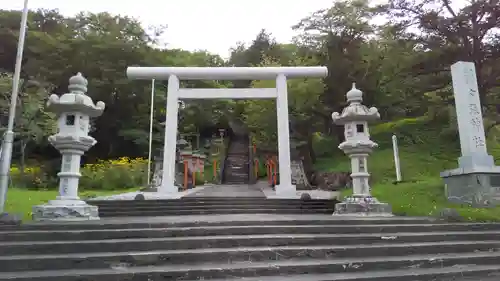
x=174 y=74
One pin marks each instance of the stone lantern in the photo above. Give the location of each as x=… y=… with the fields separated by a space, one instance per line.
x=358 y=146
x=73 y=111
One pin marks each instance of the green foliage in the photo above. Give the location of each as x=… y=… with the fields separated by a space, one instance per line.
x=35 y=178
x=325 y=146
x=123 y=173
x=426 y=198
x=423 y=155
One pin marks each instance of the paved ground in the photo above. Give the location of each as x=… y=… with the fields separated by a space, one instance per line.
x=230 y=190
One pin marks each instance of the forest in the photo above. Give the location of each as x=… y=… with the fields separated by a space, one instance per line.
x=399 y=54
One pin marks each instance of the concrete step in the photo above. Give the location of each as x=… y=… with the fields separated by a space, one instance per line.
x=104 y=260
x=236 y=170
x=236 y=174
x=453 y=273
x=213 y=201
x=263 y=202
x=231 y=172
x=210 y=207
x=271 y=240
x=184 y=212
x=366 y=234
x=168 y=210
x=381 y=268
x=244 y=220
x=236 y=180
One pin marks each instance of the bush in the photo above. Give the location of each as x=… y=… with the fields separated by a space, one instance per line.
x=32 y=178
x=119 y=174
x=122 y=173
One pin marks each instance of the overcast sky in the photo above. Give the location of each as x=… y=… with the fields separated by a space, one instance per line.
x=213 y=25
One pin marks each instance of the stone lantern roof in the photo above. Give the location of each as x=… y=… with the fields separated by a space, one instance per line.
x=355 y=111
x=76 y=100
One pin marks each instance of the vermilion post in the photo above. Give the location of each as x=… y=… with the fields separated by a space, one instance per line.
x=268 y=166
x=256 y=168
x=214 y=169
x=275 y=167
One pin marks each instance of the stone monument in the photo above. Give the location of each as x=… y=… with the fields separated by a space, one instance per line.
x=358 y=146
x=73 y=111
x=476 y=181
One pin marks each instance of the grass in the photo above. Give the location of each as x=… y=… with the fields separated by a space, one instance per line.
x=20 y=201
x=422 y=191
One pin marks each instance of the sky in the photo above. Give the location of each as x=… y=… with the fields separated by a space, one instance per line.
x=213 y=25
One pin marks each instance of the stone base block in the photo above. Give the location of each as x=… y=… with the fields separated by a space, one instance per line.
x=10 y=219
x=361 y=206
x=62 y=210
x=477 y=187
x=285 y=192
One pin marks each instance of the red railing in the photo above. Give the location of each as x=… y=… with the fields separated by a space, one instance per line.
x=272 y=170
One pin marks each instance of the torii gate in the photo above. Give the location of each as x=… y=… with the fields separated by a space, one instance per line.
x=174 y=93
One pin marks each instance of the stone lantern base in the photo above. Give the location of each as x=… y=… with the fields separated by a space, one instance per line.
x=65 y=210
x=362 y=206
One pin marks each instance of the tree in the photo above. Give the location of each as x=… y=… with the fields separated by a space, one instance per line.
x=33 y=123
x=448 y=34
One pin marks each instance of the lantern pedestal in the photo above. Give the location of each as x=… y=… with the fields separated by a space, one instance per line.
x=364 y=206
x=65 y=210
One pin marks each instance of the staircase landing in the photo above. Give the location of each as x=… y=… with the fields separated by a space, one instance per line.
x=230 y=190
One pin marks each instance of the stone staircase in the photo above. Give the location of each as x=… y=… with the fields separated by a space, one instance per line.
x=252 y=248
x=212 y=205
x=236 y=170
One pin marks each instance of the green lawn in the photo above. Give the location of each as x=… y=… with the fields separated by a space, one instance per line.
x=20 y=201
x=422 y=191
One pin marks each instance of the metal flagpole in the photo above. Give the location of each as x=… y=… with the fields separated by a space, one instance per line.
x=151 y=115
x=9 y=134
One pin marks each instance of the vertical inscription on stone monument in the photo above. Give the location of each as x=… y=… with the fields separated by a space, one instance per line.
x=469 y=117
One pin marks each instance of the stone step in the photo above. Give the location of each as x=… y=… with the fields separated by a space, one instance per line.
x=361 y=234
x=244 y=220
x=168 y=210
x=432 y=267
x=236 y=173
x=453 y=273
x=208 y=207
x=237 y=168
x=236 y=201
x=104 y=260
x=183 y=212
x=212 y=205
x=237 y=165
x=344 y=246
x=369 y=230
x=362 y=231
x=218 y=199
x=239 y=180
